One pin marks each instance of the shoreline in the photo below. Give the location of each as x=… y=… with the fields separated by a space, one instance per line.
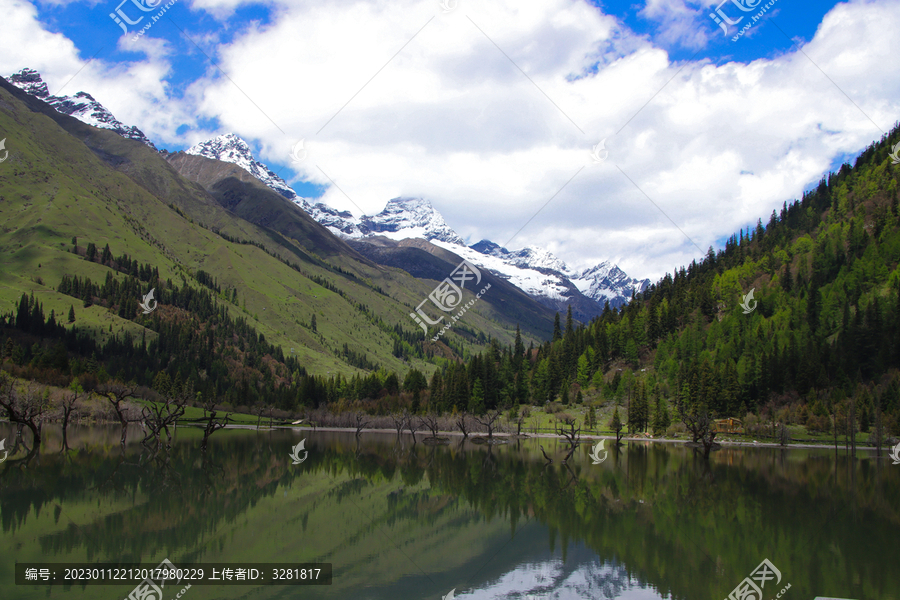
x=423 y=434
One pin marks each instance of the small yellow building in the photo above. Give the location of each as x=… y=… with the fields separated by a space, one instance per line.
x=729 y=425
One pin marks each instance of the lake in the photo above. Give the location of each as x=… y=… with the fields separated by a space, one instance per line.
x=399 y=520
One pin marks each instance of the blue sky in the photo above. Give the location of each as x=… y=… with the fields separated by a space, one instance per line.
x=492 y=108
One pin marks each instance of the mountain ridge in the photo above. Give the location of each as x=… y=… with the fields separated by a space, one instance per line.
x=534 y=270
x=82 y=106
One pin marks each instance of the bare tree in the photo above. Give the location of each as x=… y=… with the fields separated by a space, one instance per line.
x=399 y=421
x=523 y=414
x=68 y=405
x=212 y=423
x=488 y=420
x=462 y=421
x=411 y=424
x=116 y=393
x=258 y=411
x=572 y=433
x=160 y=415
x=25 y=407
x=362 y=421
x=430 y=422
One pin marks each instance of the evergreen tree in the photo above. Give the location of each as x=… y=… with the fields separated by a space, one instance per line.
x=661 y=417
x=638 y=409
x=615 y=423
x=518 y=351
x=71 y=314
x=476 y=402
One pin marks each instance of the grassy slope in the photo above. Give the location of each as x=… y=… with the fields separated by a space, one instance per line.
x=53 y=188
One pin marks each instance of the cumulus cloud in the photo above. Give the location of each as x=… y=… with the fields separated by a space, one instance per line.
x=490 y=109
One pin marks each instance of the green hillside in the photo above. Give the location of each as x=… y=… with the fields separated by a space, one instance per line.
x=263 y=304
x=817 y=348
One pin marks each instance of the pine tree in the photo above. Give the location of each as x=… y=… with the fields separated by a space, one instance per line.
x=476 y=402
x=591 y=416
x=616 y=424
x=518 y=351
x=71 y=314
x=661 y=417
x=312 y=322
x=557 y=332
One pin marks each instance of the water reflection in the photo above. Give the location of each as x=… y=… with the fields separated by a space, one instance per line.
x=404 y=520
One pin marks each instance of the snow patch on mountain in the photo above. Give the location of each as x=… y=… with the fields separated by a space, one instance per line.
x=534 y=270
x=232 y=149
x=534 y=258
x=531 y=281
x=82 y=106
x=603 y=282
x=404 y=218
x=606 y=281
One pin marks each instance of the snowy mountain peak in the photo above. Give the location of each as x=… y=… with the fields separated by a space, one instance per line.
x=606 y=281
x=82 y=106
x=231 y=148
x=534 y=270
x=30 y=82
x=411 y=218
x=530 y=258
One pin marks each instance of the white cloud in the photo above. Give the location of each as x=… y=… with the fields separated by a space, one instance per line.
x=450 y=118
x=680 y=22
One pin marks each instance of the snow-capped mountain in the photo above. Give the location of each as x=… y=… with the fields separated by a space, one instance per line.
x=82 y=106
x=232 y=149
x=411 y=218
x=601 y=283
x=535 y=271
x=606 y=281
x=401 y=218
x=534 y=258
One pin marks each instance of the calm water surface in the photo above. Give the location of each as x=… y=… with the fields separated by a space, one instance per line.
x=412 y=521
